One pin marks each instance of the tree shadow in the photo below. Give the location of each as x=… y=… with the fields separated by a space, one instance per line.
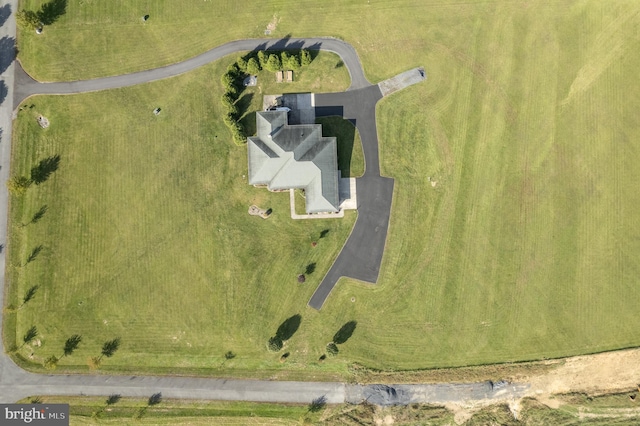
x=318 y=404
x=5 y=12
x=4 y=91
x=34 y=254
x=114 y=398
x=249 y=123
x=44 y=169
x=52 y=11
x=39 y=214
x=154 y=399
x=310 y=268
x=289 y=327
x=243 y=103
x=8 y=52
x=344 y=333
x=324 y=233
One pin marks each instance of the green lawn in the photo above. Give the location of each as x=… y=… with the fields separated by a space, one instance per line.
x=514 y=229
x=146 y=236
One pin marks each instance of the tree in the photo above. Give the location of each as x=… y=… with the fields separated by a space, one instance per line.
x=232 y=110
x=72 y=344
x=227 y=99
x=273 y=64
x=294 y=62
x=253 y=67
x=229 y=120
x=332 y=349
x=284 y=58
x=31 y=334
x=28 y=19
x=233 y=70
x=318 y=404
x=305 y=57
x=51 y=363
x=274 y=344
x=109 y=348
x=262 y=59
x=154 y=399
x=18 y=185
x=242 y=64
x=229 y=355
x=29 y=295
x=228 y=82
x=114 y=398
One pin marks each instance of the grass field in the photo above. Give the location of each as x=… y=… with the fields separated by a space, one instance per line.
x=527 y=246
x=146 y=234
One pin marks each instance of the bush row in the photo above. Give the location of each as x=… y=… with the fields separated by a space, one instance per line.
x=252 y=64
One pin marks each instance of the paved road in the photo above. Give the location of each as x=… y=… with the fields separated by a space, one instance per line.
x=7 y=67
x=374 y=193
x=26 y=86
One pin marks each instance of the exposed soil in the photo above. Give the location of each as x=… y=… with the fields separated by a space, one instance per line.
x=591 y=374
x=599 y=374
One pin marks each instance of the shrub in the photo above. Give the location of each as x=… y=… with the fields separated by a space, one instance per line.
x=18 y=185
x=332 y=349
x=228 y=82
x=273 y=64
x=228 y=99
x=51 y=363
x=28 y=19
x=233 y=70
x=242 y=64
x=262 y=59
x=253 y=67
x=274 y=344
x=294 y=62
x=284 y=58
x=305 y=57
x=229 y=120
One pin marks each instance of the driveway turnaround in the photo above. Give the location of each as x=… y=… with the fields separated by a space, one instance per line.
x=374 y=204
x=361 y=255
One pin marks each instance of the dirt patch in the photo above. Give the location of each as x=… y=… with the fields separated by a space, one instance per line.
x=591 y=374
x=272 y=25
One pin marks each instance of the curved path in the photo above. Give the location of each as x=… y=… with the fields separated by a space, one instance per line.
x=374 y=194
x=26 y=86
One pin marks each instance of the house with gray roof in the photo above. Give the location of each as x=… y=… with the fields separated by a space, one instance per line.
x=284 y=156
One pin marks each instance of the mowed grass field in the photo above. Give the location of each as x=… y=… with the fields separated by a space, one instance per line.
x=514 y=229
x=146 y=234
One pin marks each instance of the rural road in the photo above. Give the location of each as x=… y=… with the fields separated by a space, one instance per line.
x=15 y=383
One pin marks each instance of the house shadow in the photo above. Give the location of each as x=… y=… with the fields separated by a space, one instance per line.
x=345 y=133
